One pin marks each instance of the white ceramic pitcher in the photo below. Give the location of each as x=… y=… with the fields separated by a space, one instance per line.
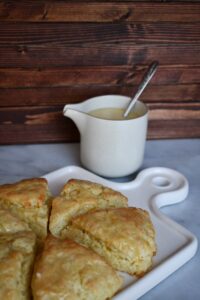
x=111 y=148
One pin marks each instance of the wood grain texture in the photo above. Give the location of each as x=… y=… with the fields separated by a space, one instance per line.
x=124 y=75
x=42 y=45
x=49 y=114
x=75 y=34
x=159 y=129
x=58 y=52
x=53 y=114
x=49 y=125
x=57 y=55
x=99 y=11
x=76 y=93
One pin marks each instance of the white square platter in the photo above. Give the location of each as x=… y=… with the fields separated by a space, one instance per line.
x=152 y=189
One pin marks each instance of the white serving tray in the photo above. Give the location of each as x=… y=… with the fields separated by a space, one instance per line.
x=152 y=189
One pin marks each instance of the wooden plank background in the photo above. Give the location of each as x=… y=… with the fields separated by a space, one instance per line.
x=57 y=52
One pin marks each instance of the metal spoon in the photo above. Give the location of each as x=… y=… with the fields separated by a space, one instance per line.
x=150 y=72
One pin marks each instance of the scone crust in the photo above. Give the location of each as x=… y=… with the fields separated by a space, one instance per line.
x=118 y=234
x=78 y=197
x=28 y=200
x=74 y=187
x=11 y=224
x=66 y=270
x=16 y=260
x=27 y=193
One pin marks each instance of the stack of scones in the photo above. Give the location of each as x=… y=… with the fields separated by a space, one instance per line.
x=71 y=246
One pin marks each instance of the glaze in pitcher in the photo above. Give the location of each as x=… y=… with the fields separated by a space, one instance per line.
x=111 y=148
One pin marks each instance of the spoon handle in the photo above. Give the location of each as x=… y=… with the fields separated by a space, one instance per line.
x=150 y=72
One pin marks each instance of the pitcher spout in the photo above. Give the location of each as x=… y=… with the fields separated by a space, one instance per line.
x=78 y=117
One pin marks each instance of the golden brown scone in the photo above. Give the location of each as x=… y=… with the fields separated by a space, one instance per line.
x=66 y=270
x=16 y=261
x=11 y=224
x=125 y=237
x=79 y=197
x=29 y=201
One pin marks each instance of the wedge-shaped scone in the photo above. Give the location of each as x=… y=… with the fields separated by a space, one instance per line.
x=16 y=261
x=125 y=237
x=28 y=200
x=11 y=224
x=79 y=197
x=66 y=270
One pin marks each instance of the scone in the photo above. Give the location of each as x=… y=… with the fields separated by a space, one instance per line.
x=66 y=270
x=16 y=262
x=28 y=200
x=79 y=197
x=125 y=237
x=11 y=224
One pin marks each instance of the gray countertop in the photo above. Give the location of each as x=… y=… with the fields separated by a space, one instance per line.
x=25 y=161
